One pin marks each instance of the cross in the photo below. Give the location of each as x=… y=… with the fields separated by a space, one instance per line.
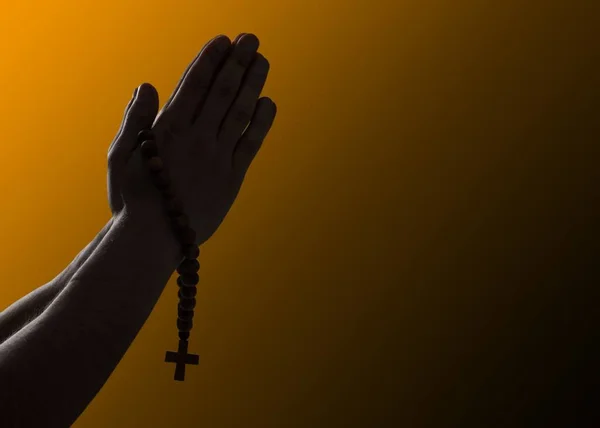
x=181 y=358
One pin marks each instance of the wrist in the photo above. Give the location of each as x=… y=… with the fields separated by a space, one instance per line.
x=152 y=234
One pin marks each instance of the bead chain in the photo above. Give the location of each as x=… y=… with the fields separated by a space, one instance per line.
x=188 y=269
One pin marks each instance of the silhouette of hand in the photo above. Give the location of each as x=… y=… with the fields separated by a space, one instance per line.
x=207 y=133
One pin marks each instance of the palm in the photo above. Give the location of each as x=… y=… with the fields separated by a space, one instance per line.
x=206 y=182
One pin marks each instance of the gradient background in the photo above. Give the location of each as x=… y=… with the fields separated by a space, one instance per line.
x=413 y=245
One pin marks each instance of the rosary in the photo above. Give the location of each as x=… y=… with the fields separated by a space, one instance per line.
x=188 y=269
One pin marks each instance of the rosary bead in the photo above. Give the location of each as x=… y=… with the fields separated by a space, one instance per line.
x=185 y=314
x=187 y=236
x=149 y=149
x=155 y=164
x=161 y=180
x=145 y=134
x=187 y=292
x=184 y=335
x=188 y=304
x=181 y=222
x=181 y=281
x=191 y=251
x=188 y=266
x=190 y=279
x=184 y=325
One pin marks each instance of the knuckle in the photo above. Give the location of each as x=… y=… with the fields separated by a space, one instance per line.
x=260 y=124
x=215 y=51
x=243 y=61
x=214 y=55
x=257 y=77
x=256 y=84
x=242 y=114
x=227 y=89
x=250 y=143
x=262 y=64
x=202 y=137
x=111 y=157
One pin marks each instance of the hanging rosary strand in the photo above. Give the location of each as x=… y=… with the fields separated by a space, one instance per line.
x=188 y=269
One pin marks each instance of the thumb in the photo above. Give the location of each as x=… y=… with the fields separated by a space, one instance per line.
x=139 y=114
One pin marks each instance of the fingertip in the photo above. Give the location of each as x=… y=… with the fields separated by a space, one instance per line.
x=268 y=102
x=146 y=89
x=147 y=94
x=221 y=39
x=250 y=40
x=238 y=37
x=144 y=107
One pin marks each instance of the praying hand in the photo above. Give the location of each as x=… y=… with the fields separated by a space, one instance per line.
x=60 y=343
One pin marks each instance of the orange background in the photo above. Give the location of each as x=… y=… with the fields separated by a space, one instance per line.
x=392 y=256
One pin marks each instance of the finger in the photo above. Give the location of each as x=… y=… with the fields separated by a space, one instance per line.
x=225 y=87
x=170 y=100
x=252 y=139
x=241 y=110
x=129 y=104
x=139 y=116
x=194 y=84
x=174 y=93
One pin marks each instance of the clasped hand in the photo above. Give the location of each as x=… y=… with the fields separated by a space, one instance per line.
x=208 y=133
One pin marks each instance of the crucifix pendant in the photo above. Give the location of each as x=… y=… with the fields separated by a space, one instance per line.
x=181 y=358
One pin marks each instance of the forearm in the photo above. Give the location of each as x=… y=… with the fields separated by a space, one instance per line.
x=88 y=328
x=24 y=310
